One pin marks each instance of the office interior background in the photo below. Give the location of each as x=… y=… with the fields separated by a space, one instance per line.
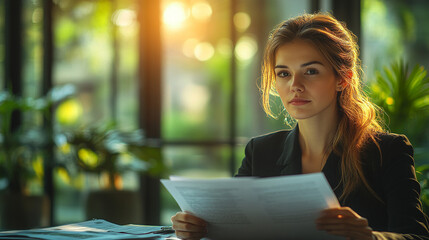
x=117 y=94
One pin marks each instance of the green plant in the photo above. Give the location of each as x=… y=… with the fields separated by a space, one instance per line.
x=109 y=150
x=404 y=97
x=21 y=157
x=423 y=177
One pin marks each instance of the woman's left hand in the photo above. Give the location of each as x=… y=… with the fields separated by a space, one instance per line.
x=344 y=222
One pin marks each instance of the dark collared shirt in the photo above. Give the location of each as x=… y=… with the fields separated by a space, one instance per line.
x=391 y=176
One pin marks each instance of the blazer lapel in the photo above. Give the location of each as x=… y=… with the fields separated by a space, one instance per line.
x=290 y=159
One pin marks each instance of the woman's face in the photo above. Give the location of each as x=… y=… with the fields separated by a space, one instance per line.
x=305 y=81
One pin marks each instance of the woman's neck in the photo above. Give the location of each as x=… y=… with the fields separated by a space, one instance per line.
x=316 y=134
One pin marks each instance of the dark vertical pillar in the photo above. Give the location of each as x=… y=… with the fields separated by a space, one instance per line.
x=150 y=97
x=314 y=6
x=47 y=84
x=233 y=90
x=350 y=13
x=13 y=53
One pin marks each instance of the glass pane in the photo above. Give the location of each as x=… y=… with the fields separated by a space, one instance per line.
x=83 y=57
x=33 y=47
x=125 y=20
x=32 y=60
x=196 y=74
x=93 y=41
x=31 y=128
x=196 y=162
x=72 y=191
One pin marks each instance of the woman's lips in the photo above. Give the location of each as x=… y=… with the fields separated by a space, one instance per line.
x=299 y=101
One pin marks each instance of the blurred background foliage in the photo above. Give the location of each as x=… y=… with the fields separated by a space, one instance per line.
x=395 y=46
x=403 y=94
x=96 y=40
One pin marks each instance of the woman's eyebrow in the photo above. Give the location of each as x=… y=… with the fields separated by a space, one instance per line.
x=302 y=65
x=310 y=63
x=281 y=66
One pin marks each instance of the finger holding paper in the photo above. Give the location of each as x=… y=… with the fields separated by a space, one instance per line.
x=344 y=222
x=188 y=226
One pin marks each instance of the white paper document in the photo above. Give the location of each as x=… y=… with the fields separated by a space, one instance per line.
x=284 y=207
x=97 y=229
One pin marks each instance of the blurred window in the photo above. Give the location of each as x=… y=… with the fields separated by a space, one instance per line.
x=32 y=41
x=96 y=50
x=32 y=58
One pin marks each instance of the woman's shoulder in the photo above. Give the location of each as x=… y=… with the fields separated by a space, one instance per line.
x=391 y=147
x=269 y=142
x=387 y=136
x=392 y=142
x=272 y=137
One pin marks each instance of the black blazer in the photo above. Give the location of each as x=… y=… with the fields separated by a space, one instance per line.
x=391 y=176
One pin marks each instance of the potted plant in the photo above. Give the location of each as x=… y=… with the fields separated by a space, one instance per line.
x=22 y=152
x=108 y=153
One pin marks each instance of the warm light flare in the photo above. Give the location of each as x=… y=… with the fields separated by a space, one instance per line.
x=241 y=21
x=201 y=11
x=124 y=17
x=204 y=51
x=175 y=15
x=189 y=46
x=194 y=98
x=246 y=48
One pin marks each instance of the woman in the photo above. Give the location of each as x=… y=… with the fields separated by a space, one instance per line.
x=311 y=62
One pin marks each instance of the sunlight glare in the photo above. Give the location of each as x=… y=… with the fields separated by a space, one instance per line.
x=204 y=51
x=124 y=17
x=201 y=11
x=194 y=98
x=175 y=15
x=246 y=48
x=189 y=46
x=242 y=21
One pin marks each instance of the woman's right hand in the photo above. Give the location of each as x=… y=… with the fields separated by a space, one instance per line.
x=187 y=226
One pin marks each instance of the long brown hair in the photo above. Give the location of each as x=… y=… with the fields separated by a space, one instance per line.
x=359 y=121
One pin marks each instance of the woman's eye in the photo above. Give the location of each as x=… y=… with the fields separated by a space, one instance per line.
x=283 y=74
x=311 y=71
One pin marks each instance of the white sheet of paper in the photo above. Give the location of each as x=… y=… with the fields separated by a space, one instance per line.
x=284 y=207
x=97 y=229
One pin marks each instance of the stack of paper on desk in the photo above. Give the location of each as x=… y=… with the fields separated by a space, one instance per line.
x=96 y=229
x=283 y=207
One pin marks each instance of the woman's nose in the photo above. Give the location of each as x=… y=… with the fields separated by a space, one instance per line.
x=296 y=84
